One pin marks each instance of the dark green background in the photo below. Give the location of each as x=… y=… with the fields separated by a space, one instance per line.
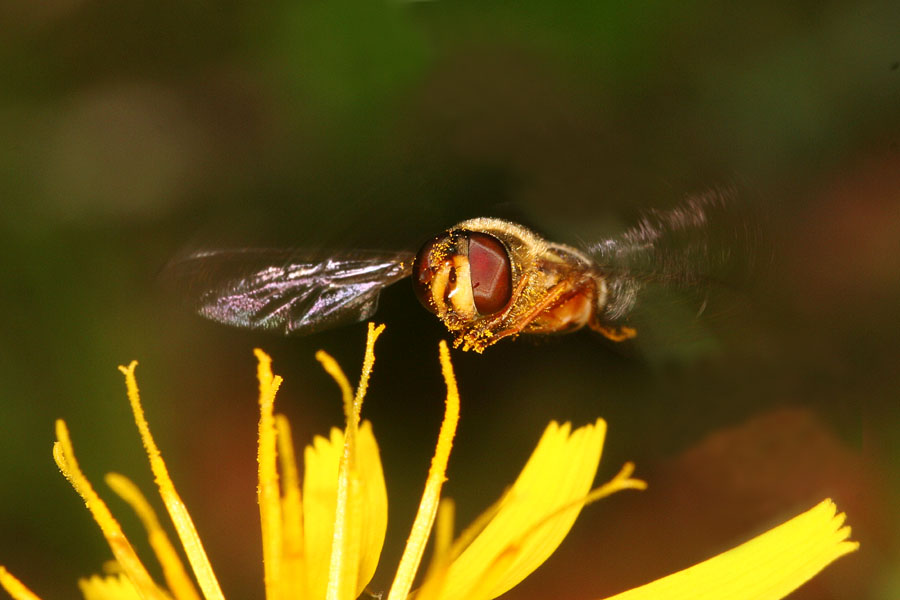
x=128 y=130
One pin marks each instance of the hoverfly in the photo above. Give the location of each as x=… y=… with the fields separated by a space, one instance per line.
x=486 y=279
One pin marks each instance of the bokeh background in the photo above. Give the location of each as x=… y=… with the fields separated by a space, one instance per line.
x=129 y=130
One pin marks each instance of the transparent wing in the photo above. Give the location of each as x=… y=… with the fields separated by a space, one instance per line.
x=707 y=239
x=286 y=292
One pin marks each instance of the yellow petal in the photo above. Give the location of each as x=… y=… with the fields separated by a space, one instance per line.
x=444 y=551
x=320 y=477
x=373 y=506
x=320 y=480
x=14 y=587
x=768 y=567
x=110 y=587
x=535 y=515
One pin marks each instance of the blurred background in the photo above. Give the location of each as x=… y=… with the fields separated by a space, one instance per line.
x=131 y=130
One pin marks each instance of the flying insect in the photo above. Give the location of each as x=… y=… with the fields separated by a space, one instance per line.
x=486 y=279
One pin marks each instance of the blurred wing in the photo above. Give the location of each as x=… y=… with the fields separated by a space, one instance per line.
x=702 y=241
x=286 y=292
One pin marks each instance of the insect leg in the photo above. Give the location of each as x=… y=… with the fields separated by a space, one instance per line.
x=616 y=334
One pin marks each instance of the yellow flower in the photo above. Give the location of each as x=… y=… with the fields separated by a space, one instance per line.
x=323 y=541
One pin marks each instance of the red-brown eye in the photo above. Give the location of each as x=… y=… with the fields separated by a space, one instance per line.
x=491 y=273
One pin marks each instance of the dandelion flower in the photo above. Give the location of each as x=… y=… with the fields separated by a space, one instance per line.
x=322 y=536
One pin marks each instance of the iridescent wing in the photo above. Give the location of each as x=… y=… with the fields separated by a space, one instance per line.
x=705 y=240
x=286 y=292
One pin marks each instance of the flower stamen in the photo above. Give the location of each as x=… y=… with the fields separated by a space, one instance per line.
x=415 y=545
x=442 y=551
x=14 y=587
x=121 y=548
x=181 y=519
x=346 y=545
x=268 y=492
x=622 y=481
x=173 y=570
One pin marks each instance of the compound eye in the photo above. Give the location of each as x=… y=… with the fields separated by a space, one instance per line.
x=425 y=269
x=491 y=273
